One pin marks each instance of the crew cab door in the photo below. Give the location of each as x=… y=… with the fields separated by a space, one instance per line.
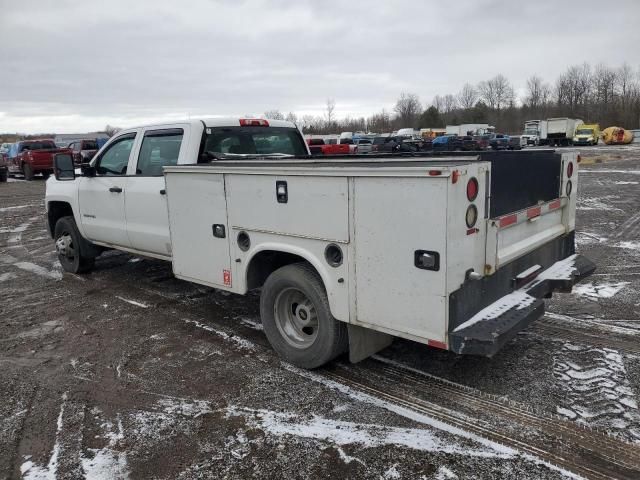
x=102 y=198
x=146 y=200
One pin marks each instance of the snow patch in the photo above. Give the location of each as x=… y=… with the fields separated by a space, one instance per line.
x=628 y=245
x=133 y=302
x=107 y=463
x=240 y=342
x=602 y=290
x=626 y=183
x=445 y=474
x=342 y=433
x=7 y=276
x=517 y=300
x=6 y=209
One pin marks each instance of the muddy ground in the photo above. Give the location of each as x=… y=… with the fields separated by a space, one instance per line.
x=128 y=372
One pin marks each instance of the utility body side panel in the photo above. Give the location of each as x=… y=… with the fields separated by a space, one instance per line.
x=394 y=218
x=198 y=255
x=315 y=207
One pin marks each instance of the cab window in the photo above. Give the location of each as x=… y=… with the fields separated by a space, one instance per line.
x=160 y=148
x=115 y=158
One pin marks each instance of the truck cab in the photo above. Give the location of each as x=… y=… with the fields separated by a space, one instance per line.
x=120 y=200
x=587 y=134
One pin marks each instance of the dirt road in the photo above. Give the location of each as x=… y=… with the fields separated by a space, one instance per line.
x=130 y=373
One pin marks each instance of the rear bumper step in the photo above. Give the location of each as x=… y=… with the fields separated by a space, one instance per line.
x=488 y=330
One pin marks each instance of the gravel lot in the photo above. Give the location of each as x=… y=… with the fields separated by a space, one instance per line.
x=128 y=372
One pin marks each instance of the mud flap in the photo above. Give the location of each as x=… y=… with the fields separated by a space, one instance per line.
x=489 y=329
x=364 y=342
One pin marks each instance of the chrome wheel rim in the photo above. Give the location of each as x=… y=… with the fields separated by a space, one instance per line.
x=296 y=318
x=64 y=246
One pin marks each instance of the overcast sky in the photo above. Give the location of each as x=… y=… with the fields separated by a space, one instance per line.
x=73 y=66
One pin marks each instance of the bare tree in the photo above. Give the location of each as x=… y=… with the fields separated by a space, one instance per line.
x=468 y=96
x=407 y=109
x=496 y=92
x=292 y=117
x=450 y=103
x=438 y=103
x=331 y=106
x=274 y=114
x=537 y=90
x=111 y=130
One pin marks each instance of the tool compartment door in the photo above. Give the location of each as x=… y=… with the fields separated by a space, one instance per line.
x=196 y=203
x=393 y=219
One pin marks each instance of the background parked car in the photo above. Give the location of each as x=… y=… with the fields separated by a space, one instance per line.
x=29 y=157
x=377 y=142
x=447 y=143
x=470 y=144
x=498 y=141
x=83 y=150
x=517 y=142
x=483 y=141
x=363 y=145
x=4 y=164
x=317 y=146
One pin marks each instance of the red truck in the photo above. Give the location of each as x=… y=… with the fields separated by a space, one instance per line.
x=317 y=146
x=29 y=157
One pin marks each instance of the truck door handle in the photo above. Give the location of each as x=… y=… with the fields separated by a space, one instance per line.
x=115 y=189
x=163 y=192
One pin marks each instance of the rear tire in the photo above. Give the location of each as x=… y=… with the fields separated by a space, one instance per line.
x=297 y=318
x=27 y=170
x=46 y=175
x=68 y=245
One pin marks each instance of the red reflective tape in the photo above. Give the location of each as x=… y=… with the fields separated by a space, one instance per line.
x=437 y=344
x=226 y=277
x=471 y=231
x=508 y=220
x=534 y=212
x=555 y=204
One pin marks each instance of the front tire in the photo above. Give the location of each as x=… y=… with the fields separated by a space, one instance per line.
x=297 y=318
x=68 y=245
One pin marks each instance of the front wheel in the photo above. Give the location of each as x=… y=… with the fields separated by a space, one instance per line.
x=68 y=241
x=297 y=319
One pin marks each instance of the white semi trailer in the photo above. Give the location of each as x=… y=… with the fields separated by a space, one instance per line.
x=454 y=252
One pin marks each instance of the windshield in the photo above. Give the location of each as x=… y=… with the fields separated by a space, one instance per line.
x=89 y=145
x=584 y=131
x=44 y=145
x=254 y=141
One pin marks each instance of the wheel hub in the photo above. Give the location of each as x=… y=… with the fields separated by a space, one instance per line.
x=296 y=318
x=64 y=246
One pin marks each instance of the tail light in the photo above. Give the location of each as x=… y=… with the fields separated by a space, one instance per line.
x=471 y=216
x=472 y=189
x=569 y=169
x=253 y=122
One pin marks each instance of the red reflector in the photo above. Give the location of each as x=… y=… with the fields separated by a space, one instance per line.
x=534 y=212
x=555 y=205
x=434 y=173
x=472 y=189
x=570 y=169
x=454 y=176
x=508 y=220
x=437 y=344
x=253 y=122
x=471 y=231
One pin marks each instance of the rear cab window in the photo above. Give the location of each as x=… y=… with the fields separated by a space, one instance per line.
x=254 y=140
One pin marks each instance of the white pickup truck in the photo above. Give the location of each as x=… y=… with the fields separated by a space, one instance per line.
x=456 y=252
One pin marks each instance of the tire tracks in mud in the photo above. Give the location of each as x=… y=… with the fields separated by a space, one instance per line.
x=568 y=445
x=589 y=335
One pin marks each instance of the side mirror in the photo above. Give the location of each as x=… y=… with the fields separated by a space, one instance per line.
x=64 y=168
x=87 y=170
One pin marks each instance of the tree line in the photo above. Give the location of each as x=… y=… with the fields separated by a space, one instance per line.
x=601 y=94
